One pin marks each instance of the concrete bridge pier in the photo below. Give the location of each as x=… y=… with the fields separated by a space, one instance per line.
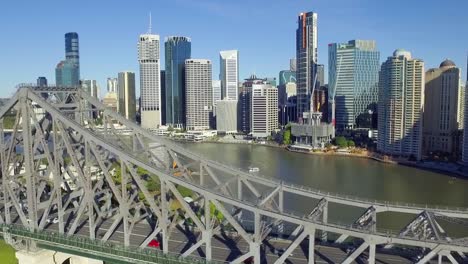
x=44 y=256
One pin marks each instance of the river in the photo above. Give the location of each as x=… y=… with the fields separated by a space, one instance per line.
x=353 y=176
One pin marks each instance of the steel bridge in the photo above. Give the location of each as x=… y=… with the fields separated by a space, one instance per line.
x=70 y=168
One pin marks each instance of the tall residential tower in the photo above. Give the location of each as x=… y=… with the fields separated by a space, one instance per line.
x=306 y=56
x=401 y=105
x=441 y=109
x=199 y=94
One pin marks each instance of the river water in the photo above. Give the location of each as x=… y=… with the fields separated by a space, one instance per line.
x=344 y=175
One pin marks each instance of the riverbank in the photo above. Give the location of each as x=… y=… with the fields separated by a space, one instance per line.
x=448 y=169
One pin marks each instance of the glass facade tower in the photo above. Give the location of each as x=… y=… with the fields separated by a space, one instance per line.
x=353 y=80
x=67 y=72
x=177 y=50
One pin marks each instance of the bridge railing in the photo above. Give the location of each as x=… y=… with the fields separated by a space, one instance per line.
x=97 y=248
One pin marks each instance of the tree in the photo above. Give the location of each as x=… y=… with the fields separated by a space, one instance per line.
x=287 y=137
x=341 y=142
x=351 y=143
x=152 y=185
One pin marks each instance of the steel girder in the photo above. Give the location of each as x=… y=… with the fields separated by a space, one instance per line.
x=68 y=165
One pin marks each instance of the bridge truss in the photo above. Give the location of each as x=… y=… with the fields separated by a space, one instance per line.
x=69 y=163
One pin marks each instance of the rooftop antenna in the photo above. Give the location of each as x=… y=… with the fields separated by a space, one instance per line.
x=150 y=24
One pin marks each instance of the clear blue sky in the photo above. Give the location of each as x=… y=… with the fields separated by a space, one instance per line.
x=32 y=32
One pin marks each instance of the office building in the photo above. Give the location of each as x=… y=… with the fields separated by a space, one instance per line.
x=163 y=97
x=465 y=124
x=293 y=64
x=112 y=85
x=287 y=76
x=287 y=83
x=198 y=94
x=67 y=72
x=42 y=81
x=177 y=51
x=244 y=106
x=306 y=55
x=320 y=76
x=288 y=111
x=353 y=79
x=264 y=113
x=127 y=98
x=441 y=109
x=216 y=86
x=401 y=105
x=229 y=74
x=111 y=99
x=226 y=116
x=150 y=80
x=90 y=87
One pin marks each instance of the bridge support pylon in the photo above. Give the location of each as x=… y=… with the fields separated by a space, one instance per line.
x=43 y=256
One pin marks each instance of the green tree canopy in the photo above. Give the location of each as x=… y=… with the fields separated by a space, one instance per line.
x=341 y=142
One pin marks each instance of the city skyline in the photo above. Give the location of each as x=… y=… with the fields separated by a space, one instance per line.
x=99 y=60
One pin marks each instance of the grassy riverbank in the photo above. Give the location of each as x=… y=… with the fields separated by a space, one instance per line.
x=7 y=254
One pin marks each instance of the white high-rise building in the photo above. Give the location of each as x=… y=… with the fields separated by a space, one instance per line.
x=401 y=105
x=216 y=86
x=198 y=94
x=226 y=116
x=150 y=80
x=264 y=119
x=229 y=74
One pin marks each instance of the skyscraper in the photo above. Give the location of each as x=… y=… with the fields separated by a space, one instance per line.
x=441 y=108
x=400 y=105
x=306 y=55
x=226 y=116
x=264 y=111
x=199 y=94
x=216 y=86
x=177 y=50
x=320 y=75
x=42 y=81
x=111 y=99
x=112 y=85
x=244 y=105
x=150 y=80
x=465 y=123
x=91 y=87
x=163 y=97
x=353 y=78
x=293 y=64
x=286 y=77
x=67 y=72
x=127 y=98
x=229 y=74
